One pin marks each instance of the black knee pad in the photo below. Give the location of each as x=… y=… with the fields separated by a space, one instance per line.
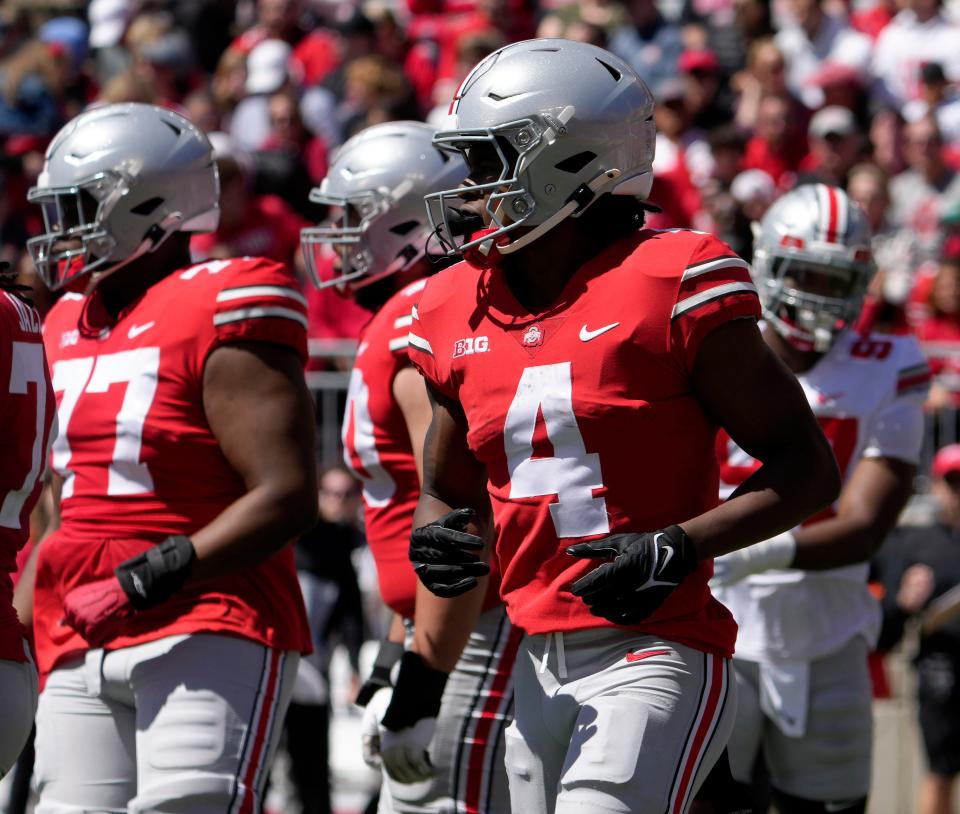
x=788 y=804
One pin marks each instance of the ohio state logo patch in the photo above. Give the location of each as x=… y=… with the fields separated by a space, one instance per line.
x=532 y=337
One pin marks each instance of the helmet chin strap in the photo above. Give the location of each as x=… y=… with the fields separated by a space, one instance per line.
x=155 y=236
x=580 y=200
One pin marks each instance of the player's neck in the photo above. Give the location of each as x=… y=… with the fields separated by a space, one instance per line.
x=118 y=290
x=537 y=274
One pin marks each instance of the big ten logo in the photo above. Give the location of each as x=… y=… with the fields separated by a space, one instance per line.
x=871 y=349
x=472 y=344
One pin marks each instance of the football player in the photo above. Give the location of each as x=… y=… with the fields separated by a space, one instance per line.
x=29 y=409
x=604 y=357
x=379 y=233
x=800 y=598
x=168 y=619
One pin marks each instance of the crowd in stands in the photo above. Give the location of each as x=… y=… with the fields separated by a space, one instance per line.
x=754 y=97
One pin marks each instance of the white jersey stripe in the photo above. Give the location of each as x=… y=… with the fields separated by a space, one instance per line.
x=420 y=343
x=399 y=343
x=259 y=312
x=704 y=297
x=713 y=265
x=403 y=322
x=229 y=294
x=414 y=313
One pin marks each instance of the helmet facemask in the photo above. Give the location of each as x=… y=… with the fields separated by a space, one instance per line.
x=514 y=146
x=810 y=302
x=345 y=232
x=75 y=215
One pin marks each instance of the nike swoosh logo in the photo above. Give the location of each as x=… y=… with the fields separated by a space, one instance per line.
x=668 y=552
x=586 y=335
x=640 y=655
x=136 y=330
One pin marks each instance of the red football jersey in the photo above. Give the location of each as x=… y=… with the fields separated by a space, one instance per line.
x=376 y=446
x=584 y=415
x=29 y=413
x=139 y=461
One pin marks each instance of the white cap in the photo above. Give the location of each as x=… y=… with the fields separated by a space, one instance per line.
x=833 y=119
x=108 y=21
x=753 y=185
x=267 y=66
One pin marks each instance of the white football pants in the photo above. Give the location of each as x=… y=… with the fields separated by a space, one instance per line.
x=185 y=725
x=18 y=705
x=615 y=722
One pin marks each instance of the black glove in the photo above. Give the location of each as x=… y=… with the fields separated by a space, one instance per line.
x=645 y=569
x=441 y=554
x=158 y=573
x=388 y=655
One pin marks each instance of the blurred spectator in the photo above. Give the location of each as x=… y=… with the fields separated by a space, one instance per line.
x=886 y=137
x=937 y=98
x=108 y=25
x=926 y=189
x=884 y=309
x=765 y=75
x=918 y=565
x=167 y=63
x=375 y=91
x=776 y=147
x=650 y=43
x=726 y=27
x=471 y=49
x=256 y=225
x=288 y=134
x=918 y=34
x=129 y=86
x=201 y=108
x=268 y=71
x=940 y=333
x=673 y=187
x=709 y=101
x=813 y=38
x=335 y=611
x=32 y=81
x=836 y=144
x=229 y=80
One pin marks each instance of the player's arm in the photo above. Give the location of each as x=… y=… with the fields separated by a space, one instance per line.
x=453 y=485
x=258 y=408
x=410 y=393
x=748 y=391
x=44 y=520
x=260 y=411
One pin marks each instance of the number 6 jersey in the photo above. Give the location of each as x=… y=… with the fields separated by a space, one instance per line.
x=139 y=461
x=584 y=415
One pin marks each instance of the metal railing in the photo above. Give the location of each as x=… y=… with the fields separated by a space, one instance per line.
x=329 y=388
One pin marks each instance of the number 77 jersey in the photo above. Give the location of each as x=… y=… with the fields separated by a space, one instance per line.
x=584 y=415
x=138 y=459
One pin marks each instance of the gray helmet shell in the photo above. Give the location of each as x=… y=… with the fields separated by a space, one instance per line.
x=377 y=181
x=119 y=180
x=814 y=226
x=569 y=121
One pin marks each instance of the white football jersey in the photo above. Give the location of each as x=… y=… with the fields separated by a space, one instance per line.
x=867 y=393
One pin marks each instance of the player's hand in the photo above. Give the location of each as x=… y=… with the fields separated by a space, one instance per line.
x=775 y=553
x=387 y=656
x=370 y=726
x=645 y=570
x=98 y=610
x=442 y=553
x=407 y=727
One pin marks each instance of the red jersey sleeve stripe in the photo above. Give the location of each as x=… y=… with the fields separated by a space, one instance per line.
x=709 y=295
x=259 y=312
x=728 y=262
x=713 y=278
x=916 y=377
x=419 y=343
x=244 y=292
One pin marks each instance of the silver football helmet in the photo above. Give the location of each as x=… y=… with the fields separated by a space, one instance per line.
x=116 y=182
x=561 y=123
x=812 y=263
x=376 y=186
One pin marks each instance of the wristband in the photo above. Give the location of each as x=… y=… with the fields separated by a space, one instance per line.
x=157 y=574
x=416 y=695
x=387 y=656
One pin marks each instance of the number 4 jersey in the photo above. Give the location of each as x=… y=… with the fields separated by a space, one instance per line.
x=867 y=392
x=584 y=415
x=139 y=461
x=29 y=425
